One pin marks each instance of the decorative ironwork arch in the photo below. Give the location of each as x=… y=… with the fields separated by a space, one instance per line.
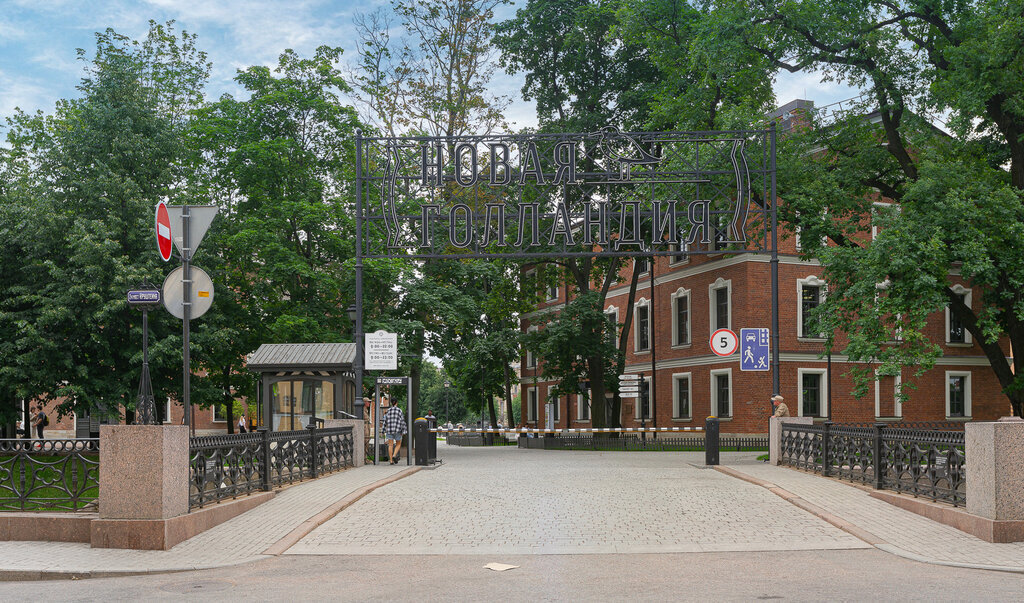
x=604 y=193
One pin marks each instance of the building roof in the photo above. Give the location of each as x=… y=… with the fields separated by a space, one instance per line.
x=302 y=356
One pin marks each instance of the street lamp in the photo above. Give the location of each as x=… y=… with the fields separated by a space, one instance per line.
x=354 y=315
x=447 y=411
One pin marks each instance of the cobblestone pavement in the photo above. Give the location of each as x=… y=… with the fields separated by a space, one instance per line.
x=512 y=501
x=904 y=533
x=238 y=540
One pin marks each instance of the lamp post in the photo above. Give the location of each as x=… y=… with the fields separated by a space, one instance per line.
x=355 y=315
x=447 y=411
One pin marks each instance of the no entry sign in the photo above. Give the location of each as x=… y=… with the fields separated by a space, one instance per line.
x=163 y=231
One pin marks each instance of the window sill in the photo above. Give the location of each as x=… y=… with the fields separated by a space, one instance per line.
x=682 y=420
x=682 y=346
x=958 y=419
x=587 y=421
x=642 y=353
x=811 y=339
x=960 y=344
x=722 y=419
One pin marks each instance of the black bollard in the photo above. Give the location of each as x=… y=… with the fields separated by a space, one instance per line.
x=711 y=441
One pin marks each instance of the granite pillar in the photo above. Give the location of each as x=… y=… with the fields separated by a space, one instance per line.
x=358 y=438
x=994 y=466
x=775 y=435
x=143 y=471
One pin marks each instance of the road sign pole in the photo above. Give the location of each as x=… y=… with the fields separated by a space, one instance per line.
x=186 y=265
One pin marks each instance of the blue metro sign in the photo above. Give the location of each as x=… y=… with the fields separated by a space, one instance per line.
x=754 y=350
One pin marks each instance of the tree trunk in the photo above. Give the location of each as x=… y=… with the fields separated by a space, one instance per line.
x=508 y=395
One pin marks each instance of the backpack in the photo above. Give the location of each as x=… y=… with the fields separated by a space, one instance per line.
x=46 y=421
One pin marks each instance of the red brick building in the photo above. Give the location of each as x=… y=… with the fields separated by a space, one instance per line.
x=684 y=382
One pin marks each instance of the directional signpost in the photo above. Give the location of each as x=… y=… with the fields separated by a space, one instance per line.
x=629 y=385
x=754 y=348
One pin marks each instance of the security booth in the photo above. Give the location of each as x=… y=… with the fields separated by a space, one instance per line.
x=304 y=383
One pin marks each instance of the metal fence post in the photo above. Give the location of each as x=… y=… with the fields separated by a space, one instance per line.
x=826 y=465
x=312 y=450
x=880 y=468
x=265 y=459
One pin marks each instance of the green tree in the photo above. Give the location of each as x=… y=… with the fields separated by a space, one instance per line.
x=279 y=165
x=83 y=183
x=959 y=195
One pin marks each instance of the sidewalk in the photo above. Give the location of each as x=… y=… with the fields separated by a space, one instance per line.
x=245 y=538
x=883 y=525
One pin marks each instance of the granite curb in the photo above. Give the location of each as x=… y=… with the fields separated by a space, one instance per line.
x=854 y=530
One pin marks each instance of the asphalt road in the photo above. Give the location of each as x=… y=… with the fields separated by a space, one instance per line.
x=855 y=575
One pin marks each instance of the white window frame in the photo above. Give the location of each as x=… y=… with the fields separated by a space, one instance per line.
x=897 y=405
x=213 y=414
x=812 y=281
x=552 y=289
x=582 y=404
x=675 y=260
x=643 y=301
x=680 y=293
x=648 y=261
x=556 y=402
x=799 y=236
x=968 y=341
x=531 y=358
x=874 y=227
x=967 y=394
x=650 y=400
x=714 y=393
x=614 y=311
x=823 y=403
x=532 y=410
x=720 y=283
x=167 y=410
x=675 y=395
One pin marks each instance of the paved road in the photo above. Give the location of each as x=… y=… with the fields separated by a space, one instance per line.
x=850 y=575
x=485 y=501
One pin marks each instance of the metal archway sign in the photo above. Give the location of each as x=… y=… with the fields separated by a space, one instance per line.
x=604 y=193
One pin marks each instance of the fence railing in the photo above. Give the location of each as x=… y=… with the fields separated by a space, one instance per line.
x=229 y=466
x=38 y=475
x=922 y=462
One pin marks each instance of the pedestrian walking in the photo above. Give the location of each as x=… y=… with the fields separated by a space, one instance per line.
x=241 y=424
x=394 y=429
x=779 y=408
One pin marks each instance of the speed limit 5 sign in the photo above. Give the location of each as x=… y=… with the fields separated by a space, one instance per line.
x=724 y=342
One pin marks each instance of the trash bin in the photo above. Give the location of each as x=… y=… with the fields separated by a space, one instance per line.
x=431 y=438
x=421 y=435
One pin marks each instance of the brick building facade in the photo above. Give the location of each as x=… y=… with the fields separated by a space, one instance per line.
x=695 y=295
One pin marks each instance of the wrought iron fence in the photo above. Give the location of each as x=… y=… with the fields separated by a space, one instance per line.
x=38 y=475
x=229 y=466
x=921 y=462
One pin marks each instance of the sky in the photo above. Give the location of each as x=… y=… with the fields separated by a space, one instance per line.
x=39 y=38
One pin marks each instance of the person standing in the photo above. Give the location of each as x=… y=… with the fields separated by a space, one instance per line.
x=779 y=407
x=39 y=420
x=241 y=424
x=394 y=429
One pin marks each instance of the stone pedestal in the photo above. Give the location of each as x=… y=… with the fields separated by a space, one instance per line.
x=995 y=469
x=143 y=501
x=775 y=435
x=143 y=471
x=358 y=438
